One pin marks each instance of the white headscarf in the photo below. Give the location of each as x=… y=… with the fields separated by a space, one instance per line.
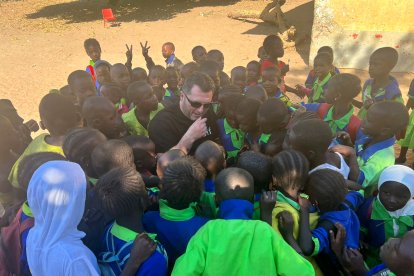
x=405 y=176
x=56 y=195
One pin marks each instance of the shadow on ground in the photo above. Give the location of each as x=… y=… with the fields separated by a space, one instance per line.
x=127 y=11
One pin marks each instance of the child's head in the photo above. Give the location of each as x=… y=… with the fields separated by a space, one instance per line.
x=382 y=61
x=211 y=68
x=300 y=115
x=246 y=114
x=322 y=65
x=182 y=183
x=142 y=95
x=157 y=76
x=79 y=145
x=290 y=172
x=396 y=187
x=326 y=49
x=31 y=163
x=102 y=71
x=217 y=56
x=82 y=86
x=166 y=158
x=385 y=119
x=253 y=71
x=110 y=155
x=65 y=91
x=261 y=53
x=270 y=80
x=256 y=92
x=229 y=90
x=326 y=189
x=9 y=137
x=228 y=105
x=273 y=46
x=310 y=137
x=168 y=49
x=144 y=152
x=187 y=70
x=112 y=92
x=199 y=54
x=239 y=76
x=397 y=254
x=234 y=183
x=93 y=49
x=212 y=157
x=122 y=192
x=273 y=115
x=58 y=114
x=100 y=113
x=259 y=166
x=172 y=77
x=120 y=75
x=138 y=74
x=343 y=88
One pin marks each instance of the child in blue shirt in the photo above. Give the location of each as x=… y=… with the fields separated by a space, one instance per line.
x=328 y=194
x=391 y=213
x=123 y=196
x=260 y=167
x=176 y=221
x=274 y=86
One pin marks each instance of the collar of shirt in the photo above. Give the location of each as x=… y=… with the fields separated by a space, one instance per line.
x=236 y=209
x=171 y=214
x=340 y=123
x=126 y=234
x=318 y=87
x=389 y=92
x=227 y=127
x=92 y=63
x=26 y=209
x=280 y=197
x=264 y=138
x=366 y=153
x=170 y=60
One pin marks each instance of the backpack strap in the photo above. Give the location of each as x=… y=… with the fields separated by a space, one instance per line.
x=323 y=110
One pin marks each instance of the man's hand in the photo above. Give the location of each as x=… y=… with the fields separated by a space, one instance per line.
x=145 y=48
x=285 y=221
x=128 y=53
x=198 y=129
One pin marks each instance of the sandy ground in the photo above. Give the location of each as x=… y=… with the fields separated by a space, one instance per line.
x=42 y=40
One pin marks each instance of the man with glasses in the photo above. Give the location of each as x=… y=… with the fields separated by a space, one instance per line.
x=188 y=123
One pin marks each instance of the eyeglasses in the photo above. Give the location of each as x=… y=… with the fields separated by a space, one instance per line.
x=197 y=104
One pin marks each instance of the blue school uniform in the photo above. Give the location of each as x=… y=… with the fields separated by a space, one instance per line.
x=26 y=214
x=378 y=227
x=347 y=217
x=232 y=139
x=209 y=185
x=116 y=248
x=380 y=270
x=174 y=228
x=372 y=161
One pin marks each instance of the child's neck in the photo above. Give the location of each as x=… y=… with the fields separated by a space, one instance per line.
x=341 y=109
x=381 y=81
x=55 y=140
x=318 y=160
x=132 y=222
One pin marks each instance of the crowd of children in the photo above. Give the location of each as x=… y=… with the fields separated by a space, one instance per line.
x=284 y=188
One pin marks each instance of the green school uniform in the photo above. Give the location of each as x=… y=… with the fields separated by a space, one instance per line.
x=318 y=87
x=134 y=127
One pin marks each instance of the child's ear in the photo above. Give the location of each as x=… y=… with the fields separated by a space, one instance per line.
x=211 y=165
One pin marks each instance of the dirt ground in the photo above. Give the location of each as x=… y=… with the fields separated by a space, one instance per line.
x=42 y=40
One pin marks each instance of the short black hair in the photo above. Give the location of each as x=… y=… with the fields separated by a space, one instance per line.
x=234 y=183
x=30 y=163
x=313 y=134
x=202 y=80
x=172 y=70
x=91 y=42
x=327 y=188
x=237 y=69
x=79 y=144
x=182 y=182
x=121 y=192
x=326 y=49
x=113 y=86
x=188 y=69
x=111 y=154
x=274 y=110
x=210 y=151
x=302 y=116
x=138 y=72
x=169 y=156
x=259 y=166
x=230 y=90
x=324 y=57
x=256 y=92
x=389 y=54
x=137 y=89
x=254 y=62
x=395 y=115
x=214 y=55
x=170 y=44
x=158 y=69
x=230 y=102
x=270 y=43
x=142 y=158
x=78 y=74
x=197 y=48
x=347 y=85
x=248 y=107
x=290 y=170
x=59 y=112
x=209 y=67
